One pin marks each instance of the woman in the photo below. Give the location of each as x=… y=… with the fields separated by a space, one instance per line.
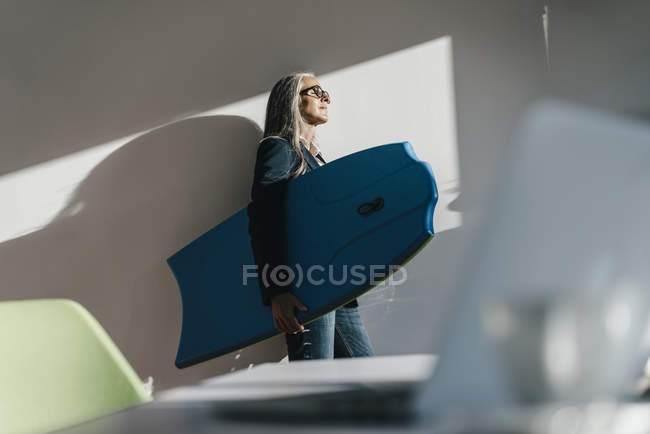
x=296 y=106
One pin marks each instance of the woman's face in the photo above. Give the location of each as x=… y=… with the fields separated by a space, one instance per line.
x=312 y=108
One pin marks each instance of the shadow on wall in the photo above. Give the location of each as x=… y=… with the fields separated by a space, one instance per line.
x=107 y=248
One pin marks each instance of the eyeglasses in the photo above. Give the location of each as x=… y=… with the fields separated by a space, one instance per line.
x=317 y=92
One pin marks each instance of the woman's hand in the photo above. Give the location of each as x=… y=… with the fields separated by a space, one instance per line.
x=284 y=316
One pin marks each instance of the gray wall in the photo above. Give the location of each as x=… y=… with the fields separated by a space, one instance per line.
x=76 y=74
x=600 y=54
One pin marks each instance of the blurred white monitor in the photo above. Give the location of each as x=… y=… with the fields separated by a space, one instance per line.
x=553 y=305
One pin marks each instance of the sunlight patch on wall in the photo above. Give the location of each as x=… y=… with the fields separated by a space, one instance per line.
x=34 y=196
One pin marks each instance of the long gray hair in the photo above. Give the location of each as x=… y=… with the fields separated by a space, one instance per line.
x=283 y=117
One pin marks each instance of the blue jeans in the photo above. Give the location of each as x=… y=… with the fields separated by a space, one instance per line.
x=337 y=334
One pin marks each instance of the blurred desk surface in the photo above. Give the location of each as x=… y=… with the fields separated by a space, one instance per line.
x=197 y=417
x=196 y=409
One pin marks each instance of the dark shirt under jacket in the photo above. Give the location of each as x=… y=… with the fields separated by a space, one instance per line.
x=276 y=160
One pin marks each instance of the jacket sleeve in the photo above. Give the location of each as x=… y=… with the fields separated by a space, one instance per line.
x=267 y=211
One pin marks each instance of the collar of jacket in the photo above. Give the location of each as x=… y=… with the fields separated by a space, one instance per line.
x=304 y=143
x=311 y=160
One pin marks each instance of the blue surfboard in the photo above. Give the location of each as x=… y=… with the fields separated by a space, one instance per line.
x=372 y=208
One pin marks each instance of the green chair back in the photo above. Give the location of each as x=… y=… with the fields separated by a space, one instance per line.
x=59 y=367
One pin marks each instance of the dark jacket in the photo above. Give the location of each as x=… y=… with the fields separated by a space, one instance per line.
x=276 y=160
